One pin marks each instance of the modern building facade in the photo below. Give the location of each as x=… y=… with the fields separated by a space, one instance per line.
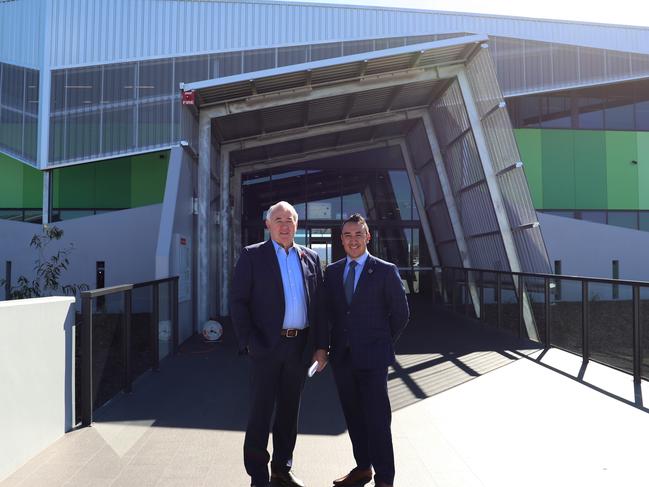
x=91 y=121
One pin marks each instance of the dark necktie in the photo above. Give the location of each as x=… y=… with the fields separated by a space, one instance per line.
x=349 y=281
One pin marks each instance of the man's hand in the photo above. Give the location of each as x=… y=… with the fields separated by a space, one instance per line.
x=321 y=356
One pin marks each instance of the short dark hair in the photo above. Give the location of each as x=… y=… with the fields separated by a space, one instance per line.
x=357 y=218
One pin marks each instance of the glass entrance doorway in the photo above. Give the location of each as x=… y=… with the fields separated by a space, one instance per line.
x=326 y=193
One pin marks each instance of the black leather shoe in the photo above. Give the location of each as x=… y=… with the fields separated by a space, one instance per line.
x=358 y=477
x=285 y=479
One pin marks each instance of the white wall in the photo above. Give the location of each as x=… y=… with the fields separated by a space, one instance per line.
x=587 y=249
x=36 y=377
x=125 y=240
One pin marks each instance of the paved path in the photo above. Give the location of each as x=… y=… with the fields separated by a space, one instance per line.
x=471 y=408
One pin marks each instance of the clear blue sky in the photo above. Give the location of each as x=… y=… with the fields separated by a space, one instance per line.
x=627 y=12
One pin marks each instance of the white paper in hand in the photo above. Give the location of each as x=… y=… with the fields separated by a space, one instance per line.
x=313 y=369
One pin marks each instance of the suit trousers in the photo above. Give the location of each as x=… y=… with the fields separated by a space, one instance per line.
x=277 y=380
x=364 y=398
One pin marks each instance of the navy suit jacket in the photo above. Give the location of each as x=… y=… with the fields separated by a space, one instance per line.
x=372 y=323
x=257 y=296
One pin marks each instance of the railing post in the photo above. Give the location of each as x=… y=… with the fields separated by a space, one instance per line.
x=481 y=294
x=547 y=312
x=444 y=290
x=8 y=280
x=453 y=291
x=585 y=324
x=466 y=295
x=86 y=360
x=155 y=345
x=126 y=341
x=521 y=299
x=499 y=296
x=174 y=315
x=637 y=337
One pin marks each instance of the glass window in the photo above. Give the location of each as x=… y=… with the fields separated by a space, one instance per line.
x=626 y=219
x=402 y=194
x=291 y=55
x=326 y=51
x=31 y=94
x=118 y=129
x=226 y=64
x=83 y=87
x=324 y=209
x=119 y=83
x=258 y=59
x=155 y=78
x=641 y=96
x=643 y=217
x=555 y=112
x=190 y=69
x=57 y=102
x=154 y=124
x=619 y=108
x=13 y=86
x=355 y=47
x=593 y=216
x=11 y=132
x=83 y=135
x=591 y=113
x=353 y=203
x=565 y=62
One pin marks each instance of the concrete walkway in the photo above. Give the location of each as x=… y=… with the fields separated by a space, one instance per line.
x=471 y=408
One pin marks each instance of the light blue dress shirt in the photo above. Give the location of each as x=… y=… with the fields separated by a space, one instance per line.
x=295 y=315
x=360 y=263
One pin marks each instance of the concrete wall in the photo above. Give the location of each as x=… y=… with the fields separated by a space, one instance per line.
x=177 y=219
x=124 y=240
x=36 y=377
x=587 y=249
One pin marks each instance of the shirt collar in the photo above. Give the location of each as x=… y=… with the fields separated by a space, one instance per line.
x=360 y=261
x=278 y=247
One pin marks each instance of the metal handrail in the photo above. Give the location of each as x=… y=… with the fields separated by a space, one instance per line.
x=519 y=279
x=87 y=398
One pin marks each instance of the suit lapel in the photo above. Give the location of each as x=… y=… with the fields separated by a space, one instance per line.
x=274 y=265
x=301 y=255
x=368 y=270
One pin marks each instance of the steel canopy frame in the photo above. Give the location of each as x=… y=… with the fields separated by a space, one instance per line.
x=231 y=162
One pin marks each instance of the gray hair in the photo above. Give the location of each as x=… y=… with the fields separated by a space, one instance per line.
x=281 y=204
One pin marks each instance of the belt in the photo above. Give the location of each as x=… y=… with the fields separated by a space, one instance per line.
x=292 y=332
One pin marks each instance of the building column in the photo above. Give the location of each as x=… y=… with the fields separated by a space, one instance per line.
x=48 y=176
x=226 y=234
x=451 y=206
x=421 y=208
x=496 y=197
x=203 y=234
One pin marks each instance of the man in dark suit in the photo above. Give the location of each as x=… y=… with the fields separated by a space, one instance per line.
x=366 y=308
x=275 y=283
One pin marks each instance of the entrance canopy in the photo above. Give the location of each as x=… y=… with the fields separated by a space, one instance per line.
x=438 y=103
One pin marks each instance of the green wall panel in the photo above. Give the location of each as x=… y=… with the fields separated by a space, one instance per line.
x=557 y=147
x=643 y=170
x=127 y=182
x=590 y=170
x=75 y=187
x=113 y=183
x=149 y=176
x=622 y=175
x=21 y=186
x=529 y=144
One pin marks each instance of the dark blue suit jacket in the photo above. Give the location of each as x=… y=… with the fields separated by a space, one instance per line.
x=372 y=323
x=257 y=296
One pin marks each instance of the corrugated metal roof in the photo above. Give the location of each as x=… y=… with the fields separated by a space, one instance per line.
x=91 y=32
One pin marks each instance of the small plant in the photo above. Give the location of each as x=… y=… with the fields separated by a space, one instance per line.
x=48 y=269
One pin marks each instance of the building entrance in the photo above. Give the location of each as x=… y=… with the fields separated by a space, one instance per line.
x=325 y=193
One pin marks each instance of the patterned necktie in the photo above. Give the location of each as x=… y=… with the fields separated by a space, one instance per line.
x=349 y=281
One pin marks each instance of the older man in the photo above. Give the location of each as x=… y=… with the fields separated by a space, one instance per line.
x=273 y=307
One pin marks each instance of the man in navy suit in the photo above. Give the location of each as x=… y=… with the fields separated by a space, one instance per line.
x=275 y=287
x=366 y=310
